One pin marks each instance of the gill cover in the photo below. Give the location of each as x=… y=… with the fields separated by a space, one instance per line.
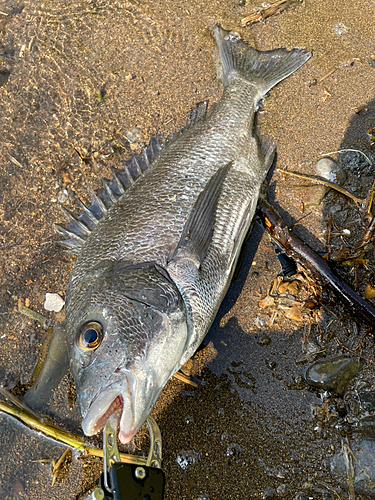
x=121 y=320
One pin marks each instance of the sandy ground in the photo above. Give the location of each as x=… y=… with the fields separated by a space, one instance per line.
x=75 y=76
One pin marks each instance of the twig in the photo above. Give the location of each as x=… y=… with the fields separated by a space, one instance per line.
x=34 y=315
x=361 y=339
x=271 y=10
x=316 y=180
x=354 y=353
x=67 y=438
x=326 y=75
x=184 y=378
x=298 y=250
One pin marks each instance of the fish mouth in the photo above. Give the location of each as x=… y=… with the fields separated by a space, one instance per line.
x=106 y=402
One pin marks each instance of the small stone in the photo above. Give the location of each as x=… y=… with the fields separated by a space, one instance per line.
x=333 y=374
x=186 y=459
x=369 y=292
x=234 y=449
x=367 y=426
x=66 y=178
x=269 y=494
x=367 y=399
x=340 y=29
x=133 y=136
x=62 y=196
x=265 y=340
x=330 y=170
x=301 y=496
x=53 y=302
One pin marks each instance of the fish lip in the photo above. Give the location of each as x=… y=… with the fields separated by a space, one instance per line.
x=109 y=399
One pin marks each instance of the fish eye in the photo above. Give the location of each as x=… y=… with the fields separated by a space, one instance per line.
x=90 y=336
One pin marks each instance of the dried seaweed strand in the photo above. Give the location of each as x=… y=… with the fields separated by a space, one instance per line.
x=67 y=438
x=56 y=466
x=298 y=250
x=349 y=469
x=316 y=180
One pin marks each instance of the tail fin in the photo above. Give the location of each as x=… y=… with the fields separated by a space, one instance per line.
x=263 y=69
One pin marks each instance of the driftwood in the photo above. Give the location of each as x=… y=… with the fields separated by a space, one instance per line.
x=295 y=248
x=271 y=10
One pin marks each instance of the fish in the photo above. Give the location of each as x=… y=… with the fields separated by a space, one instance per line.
x=157 y=247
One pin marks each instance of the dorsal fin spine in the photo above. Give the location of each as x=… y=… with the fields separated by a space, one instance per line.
x=75 y=223
x=77 y=230
x=110 y=193
x=97 y=201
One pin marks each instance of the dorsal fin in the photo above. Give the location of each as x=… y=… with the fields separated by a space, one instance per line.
x=75 y=232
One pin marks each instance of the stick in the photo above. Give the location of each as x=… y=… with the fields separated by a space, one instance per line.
x=67 y=438
x=295 y=248
x=270 y=10
x=332 y=185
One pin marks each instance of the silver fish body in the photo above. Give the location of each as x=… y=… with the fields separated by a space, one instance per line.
x=156 y=254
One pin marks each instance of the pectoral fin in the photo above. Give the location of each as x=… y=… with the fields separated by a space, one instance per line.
x=198 y=229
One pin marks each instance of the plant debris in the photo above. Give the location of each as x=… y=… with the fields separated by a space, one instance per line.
x=270 y=10
x=297 y=249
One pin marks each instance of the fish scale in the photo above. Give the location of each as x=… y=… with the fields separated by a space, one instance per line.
x=157 y=247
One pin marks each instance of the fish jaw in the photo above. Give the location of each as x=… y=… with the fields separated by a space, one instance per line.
x=134 y=395
x=109 y=400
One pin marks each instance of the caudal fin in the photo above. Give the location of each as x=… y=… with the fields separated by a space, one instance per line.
x=263 y=69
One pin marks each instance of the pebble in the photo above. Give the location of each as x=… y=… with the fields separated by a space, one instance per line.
x=367 y=399
x=62 y=196
x=335 y=209
x=53 y=302
x=301 y=496
x=367 y=426
x=234 y=449
x=133 y=136
x=265 y=340
x=330 y=170
x=340 y=29
x=186 y=459
x=333 y=374
x=269 y=494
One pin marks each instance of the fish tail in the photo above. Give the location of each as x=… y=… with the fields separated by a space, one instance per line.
x=262 y=69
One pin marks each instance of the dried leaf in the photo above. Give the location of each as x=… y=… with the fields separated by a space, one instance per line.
x=266 y=302
x=369 y=292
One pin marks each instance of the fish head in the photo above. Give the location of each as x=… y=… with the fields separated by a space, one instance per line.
x=126 y=334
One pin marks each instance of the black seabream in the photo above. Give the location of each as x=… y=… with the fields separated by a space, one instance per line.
x=158 y=245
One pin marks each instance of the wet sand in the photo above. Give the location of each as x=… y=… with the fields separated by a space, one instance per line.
x=75 y=77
